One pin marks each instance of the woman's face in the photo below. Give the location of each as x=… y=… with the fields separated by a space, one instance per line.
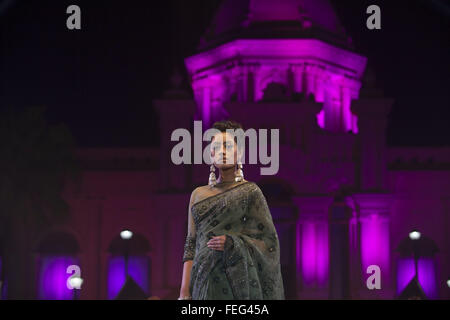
x=224 y=150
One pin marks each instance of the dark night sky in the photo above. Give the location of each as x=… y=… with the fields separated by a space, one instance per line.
x=101 y=80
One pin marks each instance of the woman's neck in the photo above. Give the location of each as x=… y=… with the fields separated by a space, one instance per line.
x=226 y=175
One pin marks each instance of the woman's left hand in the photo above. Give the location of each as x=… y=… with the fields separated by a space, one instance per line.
x=217 y=243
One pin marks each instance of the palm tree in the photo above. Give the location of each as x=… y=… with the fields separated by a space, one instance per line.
x=36 y=160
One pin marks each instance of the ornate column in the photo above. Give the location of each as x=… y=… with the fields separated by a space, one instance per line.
x=356 y=276
x=331 y=105
x=297 y=77
x=312 y=246
x=339 y=218
x=309 y=73
x=320 y=86
x=345 y=105
x=373 y=212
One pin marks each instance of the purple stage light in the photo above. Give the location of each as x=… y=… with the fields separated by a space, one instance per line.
x=53 y=276
x=138 y=269
x=315 y=256
x=426 y=275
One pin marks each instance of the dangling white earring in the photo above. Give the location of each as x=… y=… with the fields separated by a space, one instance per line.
x=239 y=174
x=212 y=176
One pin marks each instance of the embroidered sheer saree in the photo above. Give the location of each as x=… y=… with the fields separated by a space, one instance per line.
x=249 y=266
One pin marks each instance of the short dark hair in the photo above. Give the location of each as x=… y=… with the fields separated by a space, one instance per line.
x=223 y=125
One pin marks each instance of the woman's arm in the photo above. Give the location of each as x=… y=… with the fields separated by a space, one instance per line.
x=188 y=256
x=184 y=291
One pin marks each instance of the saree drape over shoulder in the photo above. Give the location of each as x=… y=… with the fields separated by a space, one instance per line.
x=249 y=266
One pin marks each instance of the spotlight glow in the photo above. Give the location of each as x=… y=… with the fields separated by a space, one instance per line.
x=126 y=234
x=448 y=283
x=76 y=282
x=414 y=235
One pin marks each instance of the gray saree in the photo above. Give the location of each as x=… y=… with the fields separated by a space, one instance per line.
x=249 y=265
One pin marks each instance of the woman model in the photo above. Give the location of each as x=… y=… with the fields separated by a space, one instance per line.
x=232 y=249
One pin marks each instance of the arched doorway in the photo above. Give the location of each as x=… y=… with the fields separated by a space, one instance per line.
x=57 y=251
x=128 y=257
x=416 y=262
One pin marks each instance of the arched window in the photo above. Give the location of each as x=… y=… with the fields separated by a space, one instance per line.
x=56 y=252
x=416 y=262
x=128 y=257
